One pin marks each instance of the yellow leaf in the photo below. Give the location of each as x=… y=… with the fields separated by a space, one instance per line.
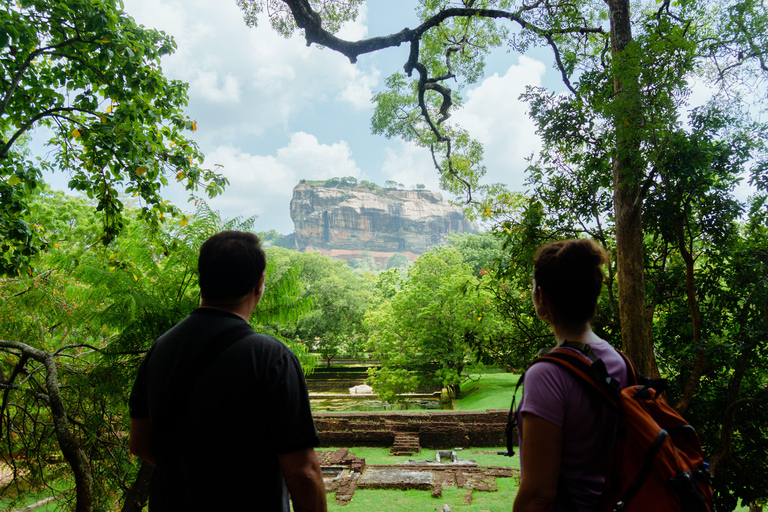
x=196 y=200
x=194 y=126
x=57 y=246
x=190 y=161
x=13 y=180
x=160 y=214
x=135 y=278
x=180 y=175
x=109 y=109
x=135 y=195
x=75 y=132
x=184 y=221
x=172 y=143
x=141 y=170
x=111 y=268
x=105 y=41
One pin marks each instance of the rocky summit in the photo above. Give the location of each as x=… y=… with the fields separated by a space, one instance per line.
x=366 y=217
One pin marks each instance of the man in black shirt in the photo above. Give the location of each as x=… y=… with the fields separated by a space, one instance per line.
x=221 y=411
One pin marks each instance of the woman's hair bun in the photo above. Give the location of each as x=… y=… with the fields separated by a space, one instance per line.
x=583 y=251
x=570 y=273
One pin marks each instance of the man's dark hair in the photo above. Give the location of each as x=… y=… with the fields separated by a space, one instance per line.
x=230 y=265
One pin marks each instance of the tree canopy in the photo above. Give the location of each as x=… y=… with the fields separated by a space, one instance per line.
x=631 y=63
x=88 y=74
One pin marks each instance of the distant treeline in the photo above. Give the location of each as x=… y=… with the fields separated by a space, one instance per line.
x=350 y=181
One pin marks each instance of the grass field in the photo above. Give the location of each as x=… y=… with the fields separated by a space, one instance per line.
x=491 y=390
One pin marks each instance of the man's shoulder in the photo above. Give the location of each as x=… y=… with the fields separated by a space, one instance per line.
x=264 y=345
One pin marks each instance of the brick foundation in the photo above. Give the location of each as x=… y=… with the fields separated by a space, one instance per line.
x=435 y=429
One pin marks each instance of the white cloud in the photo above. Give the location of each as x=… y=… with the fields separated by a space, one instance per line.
x=207 y=84
x=263 y=185
x=495 y=116
x=359 y=90
x=245 y=80
x=357 y=29
x=410 y=165
x=318 y=161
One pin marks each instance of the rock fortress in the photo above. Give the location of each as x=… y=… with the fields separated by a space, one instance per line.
x=343 y=219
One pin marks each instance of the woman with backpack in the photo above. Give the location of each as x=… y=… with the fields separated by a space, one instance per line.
x=566 y=433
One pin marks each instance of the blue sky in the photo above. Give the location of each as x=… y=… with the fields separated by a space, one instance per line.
x=273 y=111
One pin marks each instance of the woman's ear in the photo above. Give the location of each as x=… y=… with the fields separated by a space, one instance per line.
x=541 y=302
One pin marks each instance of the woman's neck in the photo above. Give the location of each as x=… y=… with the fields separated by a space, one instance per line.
x=580 y=334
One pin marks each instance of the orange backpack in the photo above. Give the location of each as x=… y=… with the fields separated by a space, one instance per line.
x=657 y=463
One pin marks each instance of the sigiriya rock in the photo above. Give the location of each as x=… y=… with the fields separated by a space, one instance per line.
x=342 y=216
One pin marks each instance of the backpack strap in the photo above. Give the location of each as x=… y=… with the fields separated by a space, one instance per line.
x=635 y=378
x=509 y=430
x=594 y=374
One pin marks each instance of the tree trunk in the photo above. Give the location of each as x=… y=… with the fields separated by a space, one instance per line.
x=138 y=494
x=693 y=305
x=628 y=175
x=69 y=445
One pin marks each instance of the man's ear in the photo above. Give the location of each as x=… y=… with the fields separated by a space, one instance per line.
x=259 y=288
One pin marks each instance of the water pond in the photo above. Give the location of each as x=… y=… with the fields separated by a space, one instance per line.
x=353 y=404
x=337 y=382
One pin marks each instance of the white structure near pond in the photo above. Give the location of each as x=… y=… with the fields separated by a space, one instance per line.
x=362 y=389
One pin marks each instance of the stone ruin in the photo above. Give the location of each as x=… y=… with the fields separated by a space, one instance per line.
x=343 y=473
x=407 y=432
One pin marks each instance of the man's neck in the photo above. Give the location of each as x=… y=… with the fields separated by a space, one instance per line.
x=240 y=309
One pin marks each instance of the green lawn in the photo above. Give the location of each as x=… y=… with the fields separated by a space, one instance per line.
x=487 y=391
x=421 y=501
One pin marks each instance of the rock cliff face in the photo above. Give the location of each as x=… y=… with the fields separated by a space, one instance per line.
x=365 y=218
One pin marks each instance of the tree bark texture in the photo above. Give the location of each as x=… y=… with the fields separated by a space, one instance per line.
x=69 y=445
x=693 y=305
x=628 y=174
x=138 y=494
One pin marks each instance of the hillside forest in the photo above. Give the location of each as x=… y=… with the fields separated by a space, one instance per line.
x=90 y=281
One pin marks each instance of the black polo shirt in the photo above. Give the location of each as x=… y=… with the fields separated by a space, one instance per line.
x=248 y=405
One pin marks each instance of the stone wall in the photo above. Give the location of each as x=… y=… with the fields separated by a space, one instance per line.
x=435 y=429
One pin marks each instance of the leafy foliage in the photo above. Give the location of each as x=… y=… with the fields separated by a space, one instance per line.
x=426 y=333
x=79 y=329
x=336 y=299
x=87 y=72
